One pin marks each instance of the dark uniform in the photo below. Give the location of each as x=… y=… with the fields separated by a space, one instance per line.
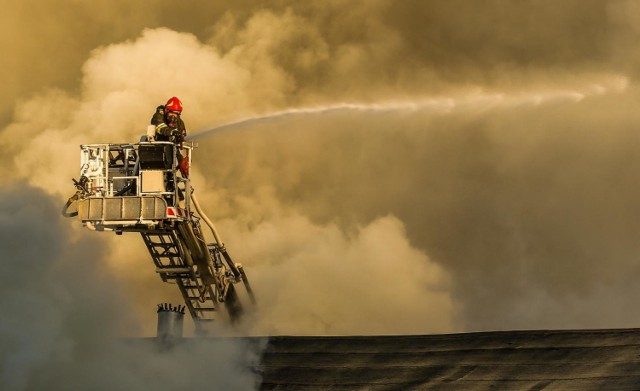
x=174 y=132
x=166 y=132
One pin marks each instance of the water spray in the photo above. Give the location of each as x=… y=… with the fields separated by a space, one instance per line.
x=434 y=104
x=473 y=101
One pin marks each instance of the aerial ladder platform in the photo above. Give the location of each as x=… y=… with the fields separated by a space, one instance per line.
x=143 y=188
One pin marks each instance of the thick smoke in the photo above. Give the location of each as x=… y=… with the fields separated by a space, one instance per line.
x=317 y=279
x=64 y=312
x=509 y=204
x=530 y=209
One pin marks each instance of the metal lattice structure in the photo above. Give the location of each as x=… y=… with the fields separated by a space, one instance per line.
x=139 y=188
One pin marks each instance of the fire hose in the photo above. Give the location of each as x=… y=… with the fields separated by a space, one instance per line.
x=236 y=268
x=81 y=192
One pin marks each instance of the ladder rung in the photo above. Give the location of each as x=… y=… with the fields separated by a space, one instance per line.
x=196 y=300
x=175 y=276
x=173 y=270
x=164 y=264
x=164 y=245
x=205 y=309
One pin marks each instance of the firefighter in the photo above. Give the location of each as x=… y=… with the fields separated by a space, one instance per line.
x=170 y=127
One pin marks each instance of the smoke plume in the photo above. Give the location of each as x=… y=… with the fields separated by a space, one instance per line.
x=65 y=311
x=429 y=168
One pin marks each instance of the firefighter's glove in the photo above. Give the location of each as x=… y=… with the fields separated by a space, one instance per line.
x=177 y=136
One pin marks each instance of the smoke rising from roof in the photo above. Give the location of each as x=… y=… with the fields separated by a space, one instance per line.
x=511 y=207
x=64 y=311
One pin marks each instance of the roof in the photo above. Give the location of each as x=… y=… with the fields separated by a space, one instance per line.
x=517 y=360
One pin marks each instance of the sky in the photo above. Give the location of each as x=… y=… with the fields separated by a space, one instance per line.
x=419 y=166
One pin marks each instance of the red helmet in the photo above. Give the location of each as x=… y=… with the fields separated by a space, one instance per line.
x=174 y=104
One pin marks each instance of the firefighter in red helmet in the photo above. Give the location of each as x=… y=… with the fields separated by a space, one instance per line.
x=170 y=127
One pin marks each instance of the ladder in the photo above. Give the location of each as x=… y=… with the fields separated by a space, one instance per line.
x=174 y=264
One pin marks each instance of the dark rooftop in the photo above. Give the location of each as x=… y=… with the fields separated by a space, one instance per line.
x=508 y=360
